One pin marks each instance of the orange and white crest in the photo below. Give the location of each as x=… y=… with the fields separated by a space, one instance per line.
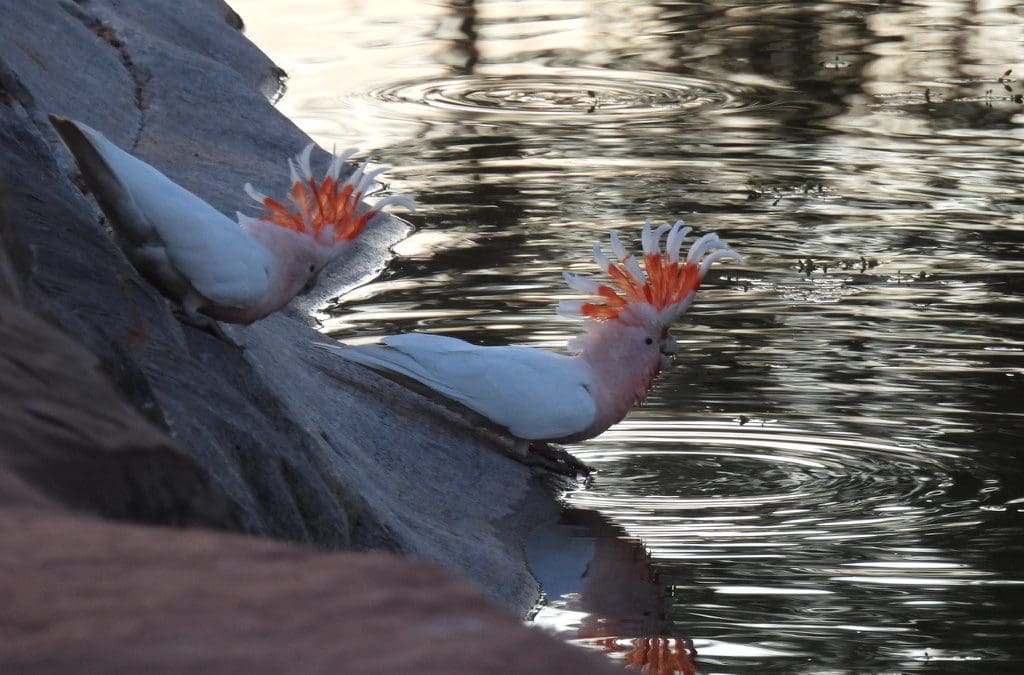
x=327 y=210
x=664 y=286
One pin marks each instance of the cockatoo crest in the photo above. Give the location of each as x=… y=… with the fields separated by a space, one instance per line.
x=328 y=210
x=659 y=291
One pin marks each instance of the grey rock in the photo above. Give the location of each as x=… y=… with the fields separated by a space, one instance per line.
x=305 y=448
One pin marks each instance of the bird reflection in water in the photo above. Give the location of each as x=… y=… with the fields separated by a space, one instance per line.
x=654 y=655
x=602 y=592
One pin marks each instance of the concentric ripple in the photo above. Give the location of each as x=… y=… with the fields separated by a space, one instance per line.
x=560 y=92
x=785 y=542
x=716 y=485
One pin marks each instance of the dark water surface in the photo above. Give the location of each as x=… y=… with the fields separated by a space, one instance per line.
x=828 y=480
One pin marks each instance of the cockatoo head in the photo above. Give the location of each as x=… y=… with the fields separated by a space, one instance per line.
x=630 y=317
x=330 y=213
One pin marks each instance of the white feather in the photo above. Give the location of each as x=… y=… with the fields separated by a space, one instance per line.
x=533 y=393
x=368 y=178
x=701 y=246
x=303 y=159
x=720 y=254
x=404 y=201
x=570 y=309
x=337 y=161
x=634 y=269
x=599 y=257
x=255 y=194
x=618 y=249
x=647 y=242
x=629 y=262
x=356 y=178
x=658 y=234
x=674 y=241
x=205 y=247
x=581 y=284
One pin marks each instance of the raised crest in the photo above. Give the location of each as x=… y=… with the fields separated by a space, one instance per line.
x=664 y=283
x=331 y=210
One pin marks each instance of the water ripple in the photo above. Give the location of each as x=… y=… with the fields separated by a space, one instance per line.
x=592 y=95
x=766 y=487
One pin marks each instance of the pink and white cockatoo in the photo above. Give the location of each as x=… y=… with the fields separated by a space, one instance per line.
x=538 y=395
x=200 y=258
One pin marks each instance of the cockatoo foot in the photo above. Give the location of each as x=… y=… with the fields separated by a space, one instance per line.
x=554 y=459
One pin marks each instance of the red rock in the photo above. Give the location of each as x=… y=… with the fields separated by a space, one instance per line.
x=87 y=596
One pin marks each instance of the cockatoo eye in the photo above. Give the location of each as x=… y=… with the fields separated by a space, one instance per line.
x=649 y=341
x=312 y=268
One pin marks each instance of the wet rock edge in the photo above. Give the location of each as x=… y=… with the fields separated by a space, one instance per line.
x=278 y=440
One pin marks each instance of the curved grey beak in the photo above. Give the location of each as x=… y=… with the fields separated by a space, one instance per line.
x=669 y=347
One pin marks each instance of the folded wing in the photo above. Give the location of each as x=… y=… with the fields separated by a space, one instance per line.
x=174 y=237
x=535 y=394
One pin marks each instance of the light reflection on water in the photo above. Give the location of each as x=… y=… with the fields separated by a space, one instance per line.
x=828 y=479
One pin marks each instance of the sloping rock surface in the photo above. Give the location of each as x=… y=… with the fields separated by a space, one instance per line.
x=283 y=441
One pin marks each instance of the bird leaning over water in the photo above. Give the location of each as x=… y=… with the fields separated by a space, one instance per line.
x=538 y=395
x=213 y=267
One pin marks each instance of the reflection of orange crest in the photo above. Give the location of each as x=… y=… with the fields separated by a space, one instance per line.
x=327 y=210
x=664 y=283
x=655 y=655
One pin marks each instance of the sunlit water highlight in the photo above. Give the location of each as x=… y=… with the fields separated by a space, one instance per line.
x=828 y=479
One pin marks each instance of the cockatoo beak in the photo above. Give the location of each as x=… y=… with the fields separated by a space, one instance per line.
x=669 y=348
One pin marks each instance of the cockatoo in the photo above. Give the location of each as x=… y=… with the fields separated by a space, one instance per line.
x=213 y=267
x=538 y=395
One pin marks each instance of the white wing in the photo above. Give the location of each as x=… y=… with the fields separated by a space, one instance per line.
x=533 y=393
x=165 y=224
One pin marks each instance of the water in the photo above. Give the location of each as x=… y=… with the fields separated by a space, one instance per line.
x=828 y=479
